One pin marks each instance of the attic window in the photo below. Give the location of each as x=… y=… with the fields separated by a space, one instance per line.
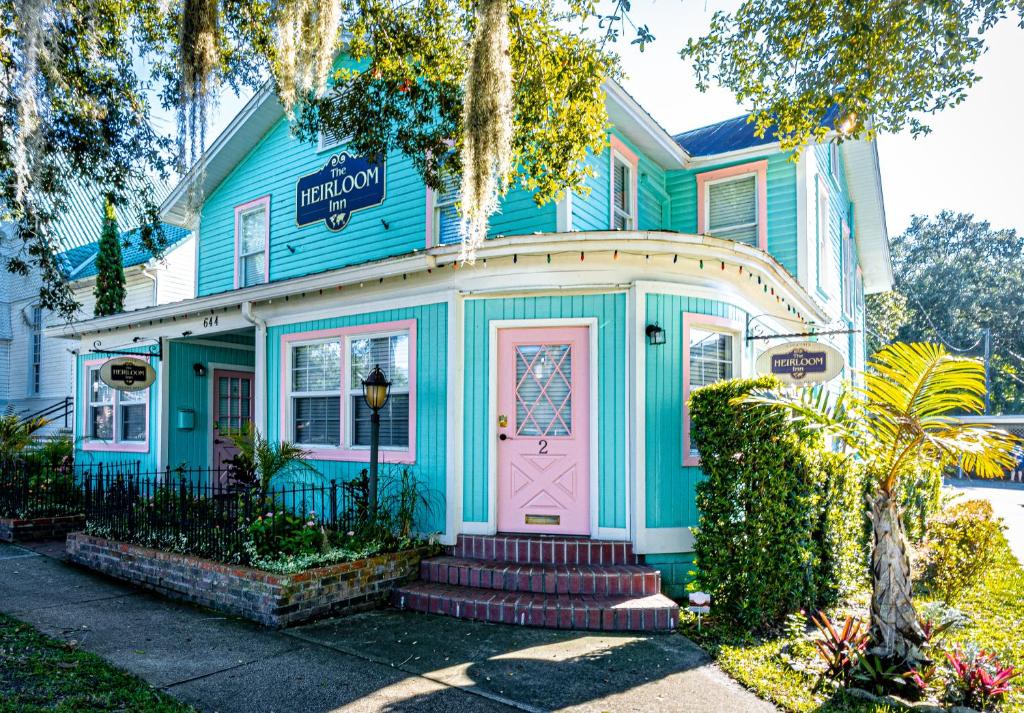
x=447 y=224
x=328 y=140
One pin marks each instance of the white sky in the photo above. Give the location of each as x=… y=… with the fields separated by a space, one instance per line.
x=968 y=163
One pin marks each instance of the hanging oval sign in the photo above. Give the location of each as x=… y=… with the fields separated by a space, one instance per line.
x=127 y=374
x=801 y=363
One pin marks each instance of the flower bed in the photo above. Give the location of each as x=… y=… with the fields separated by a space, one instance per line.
x=274 y=600
x=38 y=528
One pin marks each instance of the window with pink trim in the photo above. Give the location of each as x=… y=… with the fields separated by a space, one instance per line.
x=624 y=164
x=252 y=242
x=710 y=354
x=324 y=407
x=732 y=203
x=115 y=420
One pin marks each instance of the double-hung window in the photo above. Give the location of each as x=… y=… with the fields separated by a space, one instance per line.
x=732 y=209
x=252 y=228
x=711 y=357
x=326 y=411
x=446 y=220
x=849 y=271
x=623 y=195
x=36 y=357
x=316 y=394
x=112 y=416
x=826 y=265
x=391 y=353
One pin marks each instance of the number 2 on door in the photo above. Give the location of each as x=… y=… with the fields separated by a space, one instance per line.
x=543 y=449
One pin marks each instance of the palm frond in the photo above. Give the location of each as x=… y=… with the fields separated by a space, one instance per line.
x=916 y=381
x=983 y=450
x=814 y=408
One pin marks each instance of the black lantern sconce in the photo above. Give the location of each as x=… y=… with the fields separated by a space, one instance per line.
x=376 y=389
x=199 y=369
x=655 y=335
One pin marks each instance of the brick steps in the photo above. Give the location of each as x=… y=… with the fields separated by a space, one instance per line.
x=605 y=580
x=654 y=612
x=553 y=582
x=537 y=549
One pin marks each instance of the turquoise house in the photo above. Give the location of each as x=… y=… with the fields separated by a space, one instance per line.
x=541 y=390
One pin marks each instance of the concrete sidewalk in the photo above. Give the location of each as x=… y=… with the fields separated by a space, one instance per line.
x=380 y=661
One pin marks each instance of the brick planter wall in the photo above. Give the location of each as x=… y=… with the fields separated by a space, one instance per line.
x=40 y=528
x=274 y=600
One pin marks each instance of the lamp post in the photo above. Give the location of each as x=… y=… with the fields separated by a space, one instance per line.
x=376 y=389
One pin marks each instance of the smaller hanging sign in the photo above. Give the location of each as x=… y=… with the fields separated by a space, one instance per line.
x=801 y=363
x=344 y=185
x=127 y=374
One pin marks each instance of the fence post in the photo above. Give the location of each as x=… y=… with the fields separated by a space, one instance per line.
x=334 y=503
x=87 y=480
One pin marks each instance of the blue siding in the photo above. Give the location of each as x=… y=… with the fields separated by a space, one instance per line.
x=188 y=391
x=430 y=467
x=610 y=312
x=671 y=486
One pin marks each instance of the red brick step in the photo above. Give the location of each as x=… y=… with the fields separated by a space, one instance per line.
x=605 y=580
x=654 y=612
x=540 y=549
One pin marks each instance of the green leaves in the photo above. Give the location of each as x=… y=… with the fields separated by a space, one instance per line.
x=880 y=64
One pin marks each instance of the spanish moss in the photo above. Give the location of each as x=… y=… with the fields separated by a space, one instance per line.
x=307 y=35
x=487 y=118
x=197 y=62
x=32 y=19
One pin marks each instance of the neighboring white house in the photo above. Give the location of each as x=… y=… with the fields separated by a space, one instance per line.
x=37 y=372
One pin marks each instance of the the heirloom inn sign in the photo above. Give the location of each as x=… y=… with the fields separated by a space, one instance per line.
x=801 y=363
x=345 y=184
x=127 y=374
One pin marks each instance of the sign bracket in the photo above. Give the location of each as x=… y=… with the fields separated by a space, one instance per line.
x=749 y=336
x=156 y=349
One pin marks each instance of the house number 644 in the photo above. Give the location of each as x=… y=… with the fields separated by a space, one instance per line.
x=211 y=321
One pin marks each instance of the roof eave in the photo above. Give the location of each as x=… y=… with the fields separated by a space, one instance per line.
x=864 y=179
x=628 y=116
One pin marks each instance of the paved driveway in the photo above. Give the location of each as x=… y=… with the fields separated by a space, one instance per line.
x=1007 y=501
x=380 y=661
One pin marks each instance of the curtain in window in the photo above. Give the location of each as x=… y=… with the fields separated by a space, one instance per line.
x=732 y=210
x=316 y=371
x=391 y=353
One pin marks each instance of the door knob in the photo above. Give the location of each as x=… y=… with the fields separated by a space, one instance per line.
x=503 y=437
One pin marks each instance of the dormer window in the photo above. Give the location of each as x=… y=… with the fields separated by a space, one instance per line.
x=252 y=234
x=329 y=140
x=447 y=223
x=623 y=217
x=732 y=209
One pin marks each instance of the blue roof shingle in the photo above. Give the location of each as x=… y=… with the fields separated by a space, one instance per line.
x=80 y=262
x=733 y=135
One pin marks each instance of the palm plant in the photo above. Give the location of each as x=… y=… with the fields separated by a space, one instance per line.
x=898 y=421
x=17 y=435
x=267 y=460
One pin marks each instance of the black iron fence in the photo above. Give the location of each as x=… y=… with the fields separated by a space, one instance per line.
x=201 y=511
x=206 y=512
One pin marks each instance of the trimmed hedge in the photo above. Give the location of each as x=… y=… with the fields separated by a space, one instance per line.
x=782 y=519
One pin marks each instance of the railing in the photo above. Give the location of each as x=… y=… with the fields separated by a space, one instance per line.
x=60 y=410
x=206 y=512
x=33 y=488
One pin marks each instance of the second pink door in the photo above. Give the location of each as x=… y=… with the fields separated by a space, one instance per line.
x=543 y=430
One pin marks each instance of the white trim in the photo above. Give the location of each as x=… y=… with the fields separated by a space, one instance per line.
x=490 y=526
x=620 y=159
x=218 y=345
x=454 y=436
x=163 y=410
x=563 y=213
x=803 y=269
x=717 y=159
x=211 y=370
x=672 y=155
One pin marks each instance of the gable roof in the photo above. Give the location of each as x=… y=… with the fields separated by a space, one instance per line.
x=734 y=135
x=80 y=262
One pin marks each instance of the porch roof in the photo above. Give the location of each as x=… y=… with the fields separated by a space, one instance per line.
x=231 y=307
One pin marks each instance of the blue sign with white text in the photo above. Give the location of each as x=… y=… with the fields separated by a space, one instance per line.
x=345 y=184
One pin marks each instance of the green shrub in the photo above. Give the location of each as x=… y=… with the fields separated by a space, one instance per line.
x=920 y=498
x=781 y=517
x=960 y=547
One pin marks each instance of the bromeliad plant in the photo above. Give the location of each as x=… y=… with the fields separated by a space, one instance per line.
x=978 y=680
x=840 y=649
x=898 y=421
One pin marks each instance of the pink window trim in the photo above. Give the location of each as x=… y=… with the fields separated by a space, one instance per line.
x=89 y=444
x=430 y=217
x=265 y=202
x=620 y=150
x=693 y=319
x=759 y=169
x=358 y=455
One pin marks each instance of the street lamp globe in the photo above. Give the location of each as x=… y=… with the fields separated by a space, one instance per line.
x=376 y=389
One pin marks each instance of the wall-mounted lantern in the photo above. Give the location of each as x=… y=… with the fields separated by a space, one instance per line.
x=655 y=334
x=199 y=369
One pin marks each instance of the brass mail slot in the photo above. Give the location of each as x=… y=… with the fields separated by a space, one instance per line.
x=543 y=519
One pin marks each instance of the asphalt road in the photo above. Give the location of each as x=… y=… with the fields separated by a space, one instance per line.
x=1007 y=502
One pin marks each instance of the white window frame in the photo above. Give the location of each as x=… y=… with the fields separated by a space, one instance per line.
x=825 y=258
x=348 y=392
x=437 y=206
x=619 y=159
x=756 y=225
x=35 y=364
x=718 y=325
x=833 y=160
x=117 y=438
x=292 y=394
x=261 y=205
x=849 y=269
x=326 y=143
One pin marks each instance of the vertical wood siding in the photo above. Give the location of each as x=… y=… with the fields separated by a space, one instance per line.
x=610 y=312
x=782 y=191
x=670 y=486
x=193 y=392
x=430 y=467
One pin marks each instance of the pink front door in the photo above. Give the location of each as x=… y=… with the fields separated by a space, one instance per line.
x=543 y=430
x=232 y=408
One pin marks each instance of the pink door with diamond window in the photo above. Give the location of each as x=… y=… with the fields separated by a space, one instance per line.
x=232 y=409
x=543 y=430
